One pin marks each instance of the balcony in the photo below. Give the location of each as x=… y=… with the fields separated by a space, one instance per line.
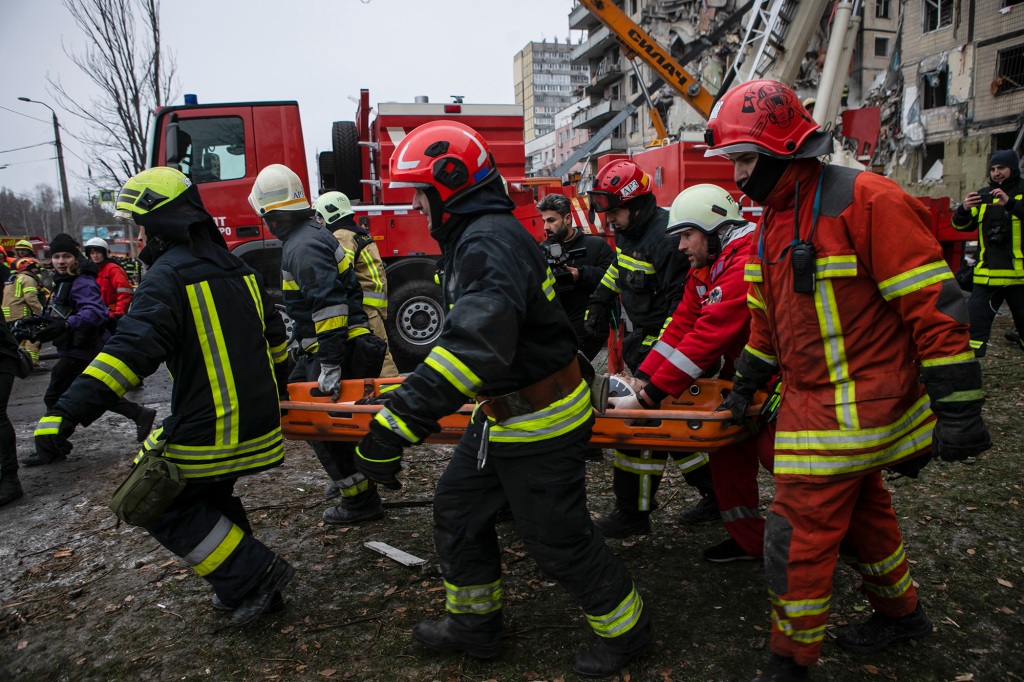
x=606 y=71
x=613 y=144
x=599 y=114
x=580 y=19
x=595 y=45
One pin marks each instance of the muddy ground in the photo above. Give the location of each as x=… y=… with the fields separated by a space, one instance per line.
x=84 y=599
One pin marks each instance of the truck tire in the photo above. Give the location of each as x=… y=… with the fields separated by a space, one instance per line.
x=325 y=165
x=414 y=324
x=348 y=167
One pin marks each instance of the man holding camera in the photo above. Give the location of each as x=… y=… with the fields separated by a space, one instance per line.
x=999 y=272
x=578 y=261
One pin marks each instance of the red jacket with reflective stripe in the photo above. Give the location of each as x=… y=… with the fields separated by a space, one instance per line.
x=884 y=301
x=116 y=290
x=710 y=321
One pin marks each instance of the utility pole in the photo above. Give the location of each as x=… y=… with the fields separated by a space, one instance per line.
x=66 y=199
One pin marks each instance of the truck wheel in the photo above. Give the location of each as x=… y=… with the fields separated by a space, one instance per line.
x=325 y=164
x=348 y=167
x=414 y=325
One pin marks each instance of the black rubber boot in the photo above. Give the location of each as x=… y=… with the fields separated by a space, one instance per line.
x=624 y=524
x=144 y=423
x=331 y=491
x=276 y=604
x=704 y=512
x=39 y=459
x=10 y=487
x=446 y=635
x=258 y=600
x=606 y=656
x=782 y=669
x=879 y=631
x=361 y=508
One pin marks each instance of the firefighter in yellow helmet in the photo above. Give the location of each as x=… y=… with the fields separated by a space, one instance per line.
x=205 y=313
x=334 y=210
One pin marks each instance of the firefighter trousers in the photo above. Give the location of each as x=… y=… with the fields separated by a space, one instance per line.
x=809 y=526
x=985 y=302
x=207 y=526
x=734 y=471
x=547 y=495
x=338 y=459
x=637 y=475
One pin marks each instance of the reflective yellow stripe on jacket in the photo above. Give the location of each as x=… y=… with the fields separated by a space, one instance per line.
x=558 y=418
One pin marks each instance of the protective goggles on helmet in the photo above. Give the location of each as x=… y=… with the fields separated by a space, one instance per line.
x=604 y=201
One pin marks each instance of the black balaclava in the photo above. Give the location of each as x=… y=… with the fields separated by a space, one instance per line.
x=767 y=172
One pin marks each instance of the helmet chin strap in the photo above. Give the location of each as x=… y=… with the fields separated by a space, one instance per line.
x=714 y=247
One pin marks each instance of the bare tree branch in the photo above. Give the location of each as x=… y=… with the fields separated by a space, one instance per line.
x=126 y=62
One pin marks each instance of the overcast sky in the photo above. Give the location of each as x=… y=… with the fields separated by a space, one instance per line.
x=318 y=52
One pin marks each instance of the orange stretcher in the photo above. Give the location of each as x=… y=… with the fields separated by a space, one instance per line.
x=685 y=424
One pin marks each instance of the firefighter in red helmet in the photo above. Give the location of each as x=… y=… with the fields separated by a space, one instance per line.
x=852 y=301
x=507 y=343
x=647 y=278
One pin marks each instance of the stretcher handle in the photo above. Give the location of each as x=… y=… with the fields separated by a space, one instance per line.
x=671 y=415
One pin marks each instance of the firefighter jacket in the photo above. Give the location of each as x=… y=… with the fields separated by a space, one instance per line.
x=505 y=330
x=369 y=268
x=1001 y=241
x=76 y=299
x=211 y=321
x=21 y=296
x=115 y=289
x=648 y=272
x=591 y=264
x=321 y=292
x=884 y=300
x=711 y=321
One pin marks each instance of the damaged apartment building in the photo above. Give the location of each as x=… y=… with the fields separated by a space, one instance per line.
x=962 y=72
x=947 y=76
x=710 y=38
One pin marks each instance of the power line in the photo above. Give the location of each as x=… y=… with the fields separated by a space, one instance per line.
x=26 y=115
x=18 y=149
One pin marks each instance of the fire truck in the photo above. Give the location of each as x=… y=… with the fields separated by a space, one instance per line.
x=222 y=148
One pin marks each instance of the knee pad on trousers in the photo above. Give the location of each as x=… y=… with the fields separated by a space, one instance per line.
x=778 y=533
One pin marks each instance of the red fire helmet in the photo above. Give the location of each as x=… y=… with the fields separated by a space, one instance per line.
x=766 y=117
x=446 y=155
x=617 y=183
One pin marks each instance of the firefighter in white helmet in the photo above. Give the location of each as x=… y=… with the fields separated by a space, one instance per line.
x=325 y=302
x=334 y=210
x=711 y=321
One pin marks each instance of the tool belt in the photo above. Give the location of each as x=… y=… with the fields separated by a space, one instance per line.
x=534 y=397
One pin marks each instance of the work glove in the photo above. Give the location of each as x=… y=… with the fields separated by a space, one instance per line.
x=752 y=373
x=956 y=399
x=54 y=328
x=373 y=400
x=595 y=320
x=330 y=380
x=52 y=434
x=379 y=456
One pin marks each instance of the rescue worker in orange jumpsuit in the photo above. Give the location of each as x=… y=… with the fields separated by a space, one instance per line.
x=851 y=299
x=711 y=321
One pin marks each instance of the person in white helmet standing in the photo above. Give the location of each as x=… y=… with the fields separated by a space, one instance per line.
x=325 y=303
x=116 y=290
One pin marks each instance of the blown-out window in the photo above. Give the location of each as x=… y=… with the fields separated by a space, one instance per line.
x=1009 y=70
x=937 y=14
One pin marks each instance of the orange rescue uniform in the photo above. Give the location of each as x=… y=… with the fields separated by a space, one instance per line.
x=852 y=404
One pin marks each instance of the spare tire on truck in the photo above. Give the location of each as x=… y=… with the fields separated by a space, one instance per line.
x=348 y=167
x=325 y=166
x=415 y=316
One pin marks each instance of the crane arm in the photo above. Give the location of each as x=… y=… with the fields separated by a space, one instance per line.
x=640 y=43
